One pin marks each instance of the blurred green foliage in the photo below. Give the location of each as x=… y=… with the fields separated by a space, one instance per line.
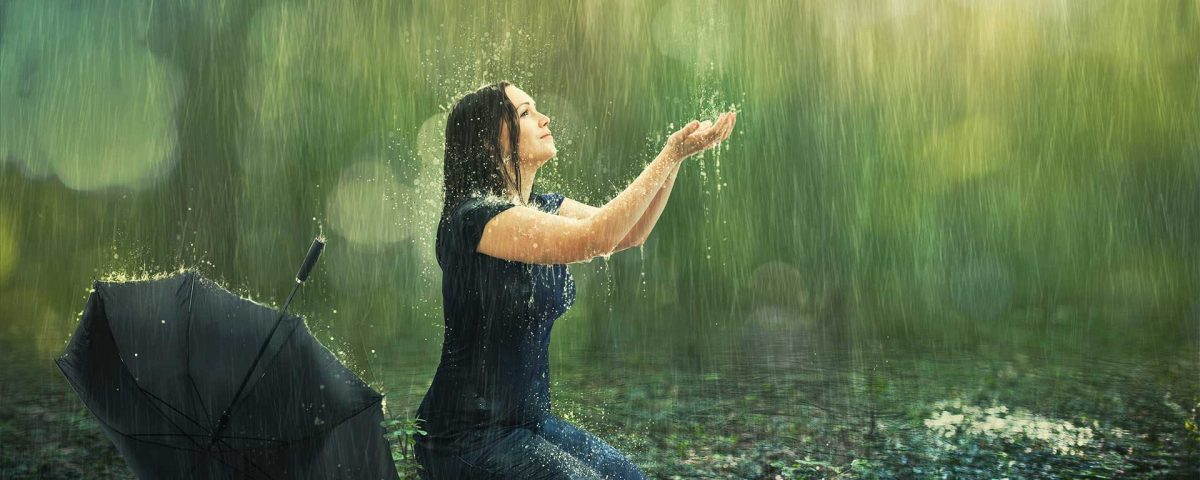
x=902 y=170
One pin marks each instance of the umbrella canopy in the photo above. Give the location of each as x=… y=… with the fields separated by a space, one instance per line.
x=165 y=365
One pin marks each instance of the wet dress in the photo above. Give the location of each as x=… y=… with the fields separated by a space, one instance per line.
x=487 y=412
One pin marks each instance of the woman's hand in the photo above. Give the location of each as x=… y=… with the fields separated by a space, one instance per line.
x=697 y=136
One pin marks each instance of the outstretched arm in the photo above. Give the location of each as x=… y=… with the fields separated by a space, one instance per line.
x=528 y=235
x=641 y=231
x=645 y=224
x=638 y=234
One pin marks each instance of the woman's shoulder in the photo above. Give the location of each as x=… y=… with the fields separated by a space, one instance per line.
x=467 y=220
x=478 y=208
x=474 y=211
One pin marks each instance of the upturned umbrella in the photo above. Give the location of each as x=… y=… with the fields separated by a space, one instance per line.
x=189 y=380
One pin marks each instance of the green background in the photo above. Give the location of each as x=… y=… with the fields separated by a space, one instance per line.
x=1014 y=177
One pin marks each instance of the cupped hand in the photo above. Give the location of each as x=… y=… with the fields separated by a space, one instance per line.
x=697 y=136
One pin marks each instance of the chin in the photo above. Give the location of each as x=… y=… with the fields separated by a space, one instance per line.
x=540 y=162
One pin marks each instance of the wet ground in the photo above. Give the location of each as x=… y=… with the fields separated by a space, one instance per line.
x=791 y=403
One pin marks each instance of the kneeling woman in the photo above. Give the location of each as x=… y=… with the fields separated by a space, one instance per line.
x=503 y=250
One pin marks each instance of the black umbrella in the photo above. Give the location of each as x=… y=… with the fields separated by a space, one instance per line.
x=191 y=381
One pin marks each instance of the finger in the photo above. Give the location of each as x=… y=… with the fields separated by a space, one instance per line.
x=709 y=125
x=729 y=127
x=712 y=133
x=723 y=125
x=726 y=120
x=706 y=127
x=725 y=128
x=686 y=131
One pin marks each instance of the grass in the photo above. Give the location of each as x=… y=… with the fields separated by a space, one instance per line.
x=958 y=420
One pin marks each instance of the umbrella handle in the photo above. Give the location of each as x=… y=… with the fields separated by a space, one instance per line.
x=314 y=251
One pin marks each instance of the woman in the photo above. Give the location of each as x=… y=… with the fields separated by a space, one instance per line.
x=503 y=248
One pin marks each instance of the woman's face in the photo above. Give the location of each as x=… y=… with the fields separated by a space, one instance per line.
x=535 y=145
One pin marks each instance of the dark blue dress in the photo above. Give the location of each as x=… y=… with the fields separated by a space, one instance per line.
x=487 y=412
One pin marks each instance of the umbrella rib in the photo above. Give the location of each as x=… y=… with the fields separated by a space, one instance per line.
x=164 y=445
x=187 y=345
x=176 y=410
x=134 y=437
x=189 y=437
x=164 y=415
x=173 y=447
x=267 y=366
x=156 y=409
x=237 y=396
x=196 y=464
x=196 y=390
x=146 y=393
x=216 y=435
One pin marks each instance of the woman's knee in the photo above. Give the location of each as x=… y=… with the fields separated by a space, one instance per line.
x=590 y=449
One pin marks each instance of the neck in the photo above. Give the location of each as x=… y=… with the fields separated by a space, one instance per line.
x=527 y=177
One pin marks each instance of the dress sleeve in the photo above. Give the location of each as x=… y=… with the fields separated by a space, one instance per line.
x=551 y=201
x=472 y=216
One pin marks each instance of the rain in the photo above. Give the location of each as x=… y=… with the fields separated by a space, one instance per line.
x=951 y=239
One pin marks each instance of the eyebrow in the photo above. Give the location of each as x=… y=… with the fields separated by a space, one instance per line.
x=534 y=104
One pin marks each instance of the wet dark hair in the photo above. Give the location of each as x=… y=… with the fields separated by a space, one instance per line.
x=474 y=163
